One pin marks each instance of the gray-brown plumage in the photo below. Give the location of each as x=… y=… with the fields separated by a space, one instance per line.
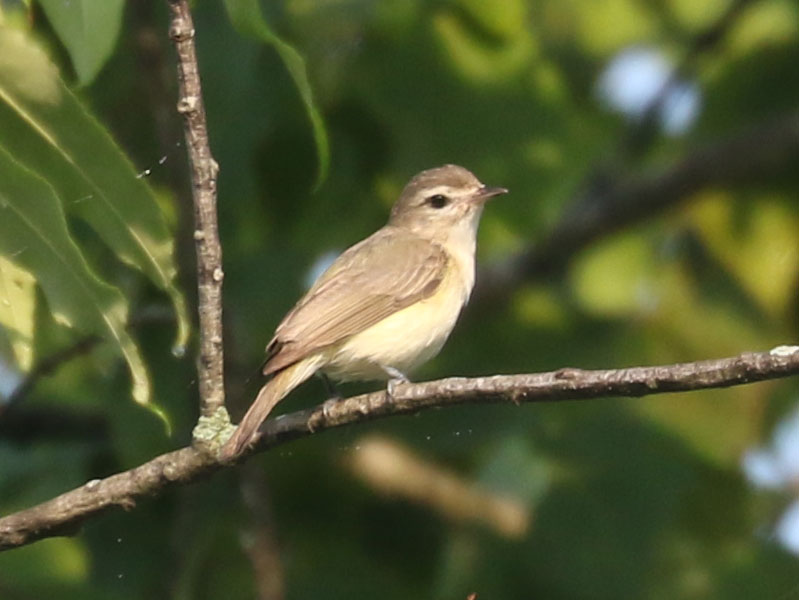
x=378 y=283
x=388 y=303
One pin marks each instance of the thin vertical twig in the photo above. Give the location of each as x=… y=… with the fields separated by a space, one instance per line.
x=206 y=235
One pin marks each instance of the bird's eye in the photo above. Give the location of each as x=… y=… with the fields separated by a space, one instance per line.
x=438 y=201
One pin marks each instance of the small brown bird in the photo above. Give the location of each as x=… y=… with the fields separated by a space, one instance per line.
x=388 y=303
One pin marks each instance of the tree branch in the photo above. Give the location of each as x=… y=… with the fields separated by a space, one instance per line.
x=757 y=154
x=64 y=514
x=260 y=542
x=26 y=424
x=606 y=204
x=48 y=365
x=642 y=132
x=204 y=170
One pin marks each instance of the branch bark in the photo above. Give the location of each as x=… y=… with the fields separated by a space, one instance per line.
x=204 y=170
x=64 y=514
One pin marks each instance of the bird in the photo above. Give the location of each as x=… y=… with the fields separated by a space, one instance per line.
x=387 y=304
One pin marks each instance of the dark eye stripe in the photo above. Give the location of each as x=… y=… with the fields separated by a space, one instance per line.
x=438 y=201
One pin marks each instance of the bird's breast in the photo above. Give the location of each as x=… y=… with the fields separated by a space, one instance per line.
x=407 y=338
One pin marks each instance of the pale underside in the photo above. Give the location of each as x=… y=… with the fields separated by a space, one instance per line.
x=389 y=301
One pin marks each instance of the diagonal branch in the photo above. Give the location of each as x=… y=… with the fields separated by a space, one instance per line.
x=64 y=514
x=204 y=170
x=642 y=133
x=47 y=366
x=754 y=155
x=606 y=203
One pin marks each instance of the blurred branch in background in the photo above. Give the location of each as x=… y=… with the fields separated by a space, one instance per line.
x=643 y=133
x=26 y=424
x=65 y=513
x=754 y=155
x=259 y=541
x=150 y=315
x=47 y=366
x=608 y=200
x=393 y=470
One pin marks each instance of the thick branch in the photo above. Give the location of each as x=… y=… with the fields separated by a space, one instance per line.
x=206 y=236
x=64 y=514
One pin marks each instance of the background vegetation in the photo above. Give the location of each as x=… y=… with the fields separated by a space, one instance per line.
x=566 y=103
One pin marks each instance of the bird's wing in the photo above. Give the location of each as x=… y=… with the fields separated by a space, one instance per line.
x=381 y=275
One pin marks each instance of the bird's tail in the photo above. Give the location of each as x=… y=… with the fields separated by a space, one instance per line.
x=270 y=394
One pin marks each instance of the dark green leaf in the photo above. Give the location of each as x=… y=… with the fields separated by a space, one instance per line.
x=47 y=130
x=88 y=29
x=247 y=18
x=34 y=234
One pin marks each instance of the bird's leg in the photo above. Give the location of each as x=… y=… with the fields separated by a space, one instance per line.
x=330 y=388
x=395 y=376
x=333 y=395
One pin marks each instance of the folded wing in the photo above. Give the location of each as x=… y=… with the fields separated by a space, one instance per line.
x=381 y=275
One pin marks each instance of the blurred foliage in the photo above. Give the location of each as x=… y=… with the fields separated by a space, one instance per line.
x=88 y=30
x=247 y=18
x=627 y=498
x=58 y=161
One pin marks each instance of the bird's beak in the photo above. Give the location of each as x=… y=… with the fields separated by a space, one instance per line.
x=486 y=192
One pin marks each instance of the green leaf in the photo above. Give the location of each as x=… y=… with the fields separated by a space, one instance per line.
x=46 y=129
x=248 y=20
x=88 y=29
x=759 y=249
x=17 y=304
x=474 y=53
x=627 y=260
x=604 y=27
x=34 y=234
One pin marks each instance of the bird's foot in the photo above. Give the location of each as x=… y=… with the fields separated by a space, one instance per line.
x=396 y=377
x=328 y=406
x=328 y=414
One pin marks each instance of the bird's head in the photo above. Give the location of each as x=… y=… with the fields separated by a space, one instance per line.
x=440 y=200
